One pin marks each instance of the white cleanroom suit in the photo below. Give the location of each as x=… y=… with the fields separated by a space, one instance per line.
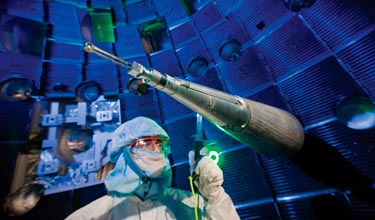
x=139 y=185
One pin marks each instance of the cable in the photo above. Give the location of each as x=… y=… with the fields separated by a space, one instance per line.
x=191 y=178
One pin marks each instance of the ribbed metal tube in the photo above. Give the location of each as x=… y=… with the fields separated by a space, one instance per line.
x=264 y=128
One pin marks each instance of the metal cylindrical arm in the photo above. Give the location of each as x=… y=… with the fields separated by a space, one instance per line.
x=264 y=128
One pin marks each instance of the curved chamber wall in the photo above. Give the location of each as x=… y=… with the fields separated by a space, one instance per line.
x=303 y=60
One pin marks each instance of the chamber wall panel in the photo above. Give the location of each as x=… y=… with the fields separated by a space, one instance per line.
x=140 y=12
x=290 y=48
x=220 y=33
x=360 y=58
x=246 y=74
x=67 y=75
x=65 y=22
x=264 y=211
x=20 y=64
x=288 y=179
x=105 y=74
x=314 y=92
x=326 y=206
x=271 y=96
x=165 y=61
x=128 y=42
x=145 y=105
x=31 y=9
x=172 y=11
x=206 y=17
x=63 y=52
x=356 y=147
x=190 y=51
x=248 y=184
x=181 y=142
x=338 y=22
x=260 y=17
x=183 y=33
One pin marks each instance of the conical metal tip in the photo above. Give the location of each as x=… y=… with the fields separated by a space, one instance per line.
x=88 y=47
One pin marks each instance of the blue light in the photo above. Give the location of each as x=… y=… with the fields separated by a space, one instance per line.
x=356 y=113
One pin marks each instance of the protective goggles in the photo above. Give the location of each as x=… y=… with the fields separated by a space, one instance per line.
x=157 y=144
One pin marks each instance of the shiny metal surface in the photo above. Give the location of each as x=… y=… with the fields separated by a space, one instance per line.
x=264 y=128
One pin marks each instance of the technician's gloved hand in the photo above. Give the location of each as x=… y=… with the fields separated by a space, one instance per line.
x=210 y=175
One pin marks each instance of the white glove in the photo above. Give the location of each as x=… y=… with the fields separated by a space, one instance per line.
x=210 y=175
x=192 y=162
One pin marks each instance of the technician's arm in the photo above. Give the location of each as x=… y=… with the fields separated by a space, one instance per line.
x=219 y=205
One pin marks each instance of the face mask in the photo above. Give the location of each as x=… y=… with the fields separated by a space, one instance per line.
x=150 y=162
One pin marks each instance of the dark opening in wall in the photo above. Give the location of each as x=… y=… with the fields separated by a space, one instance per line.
x=20 y=35
x=97 y=25
x=154 y=36
x=191 y=6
